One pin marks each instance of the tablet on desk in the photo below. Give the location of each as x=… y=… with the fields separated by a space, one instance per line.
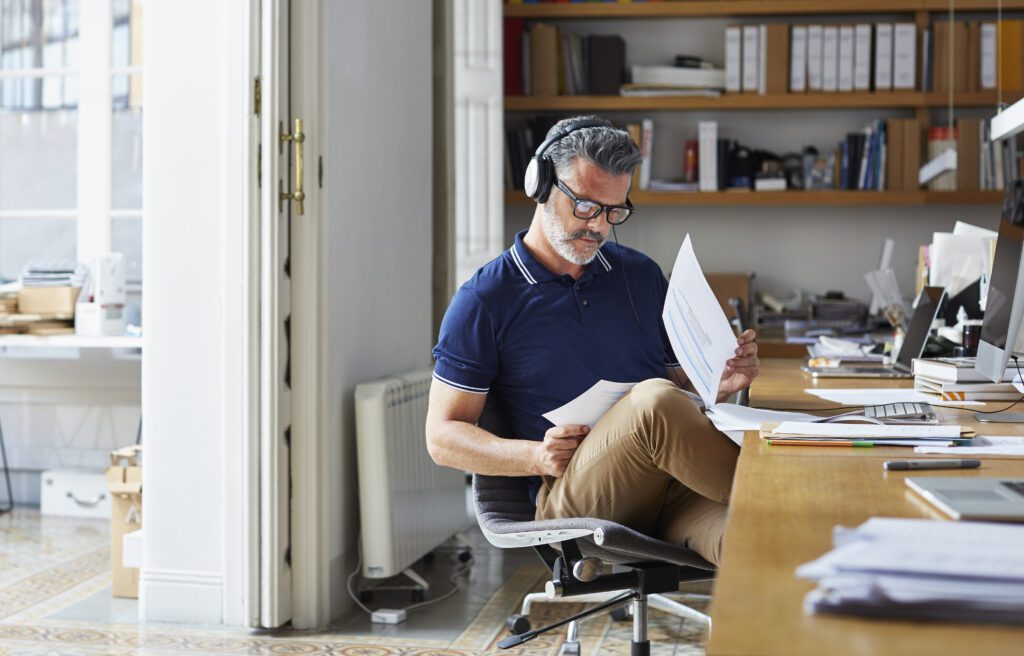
x=987 y=499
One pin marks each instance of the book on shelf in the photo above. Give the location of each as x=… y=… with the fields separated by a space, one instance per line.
x=646 y=149
x=883 y=56
x=798 y=59
x=844 y=78
x=1010 y=49
x=733 y=58
x=707 y=156
x=904 y=63
x=830 y=58
x=674 y=76
x=927 y=61
x=663 y=91
x=750 y=68
x=814 y=57
x=635 y=131
x=862 y=57
x=775 y=58
x=988 y=56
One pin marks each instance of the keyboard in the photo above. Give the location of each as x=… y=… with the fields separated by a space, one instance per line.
x=901 y=412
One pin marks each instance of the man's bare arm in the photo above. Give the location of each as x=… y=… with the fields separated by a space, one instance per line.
x=454 y=439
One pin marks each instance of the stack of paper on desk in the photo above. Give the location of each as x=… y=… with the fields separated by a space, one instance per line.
x=862 y=435
x=877 y=396
x=922 y=569
x=979 y=446
x=863 y=431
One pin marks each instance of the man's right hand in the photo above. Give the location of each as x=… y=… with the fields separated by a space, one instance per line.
x=559 y=445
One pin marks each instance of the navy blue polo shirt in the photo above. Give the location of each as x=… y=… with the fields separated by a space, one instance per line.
x=533 y=340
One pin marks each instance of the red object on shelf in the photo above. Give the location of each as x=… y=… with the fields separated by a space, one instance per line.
x=513 y=71
x=690 y=162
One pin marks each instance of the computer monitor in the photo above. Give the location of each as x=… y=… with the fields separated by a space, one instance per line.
x=1004 y=308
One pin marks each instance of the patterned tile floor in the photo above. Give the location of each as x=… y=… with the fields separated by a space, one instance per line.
x=55 y=599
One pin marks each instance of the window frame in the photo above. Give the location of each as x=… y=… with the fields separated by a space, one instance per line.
x=93 y=212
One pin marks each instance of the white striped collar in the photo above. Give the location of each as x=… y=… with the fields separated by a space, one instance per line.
x=534 y=272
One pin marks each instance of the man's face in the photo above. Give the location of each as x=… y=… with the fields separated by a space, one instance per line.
x=578 y=240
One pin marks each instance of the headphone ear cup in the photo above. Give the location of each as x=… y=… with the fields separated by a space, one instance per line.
x=539 y=178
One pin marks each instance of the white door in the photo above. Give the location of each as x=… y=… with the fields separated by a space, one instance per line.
x=278 y=149
x=479 y=206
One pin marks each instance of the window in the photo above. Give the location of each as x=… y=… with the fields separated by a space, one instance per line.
x=71 y=132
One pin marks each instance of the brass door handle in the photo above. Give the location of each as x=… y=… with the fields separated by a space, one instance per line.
x=297 y=138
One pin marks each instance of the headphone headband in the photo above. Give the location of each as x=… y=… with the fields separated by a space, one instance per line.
x=540 y=172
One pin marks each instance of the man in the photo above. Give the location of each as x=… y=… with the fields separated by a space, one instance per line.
x=550 y=317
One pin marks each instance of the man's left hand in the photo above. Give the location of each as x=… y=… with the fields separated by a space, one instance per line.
x=742 y=369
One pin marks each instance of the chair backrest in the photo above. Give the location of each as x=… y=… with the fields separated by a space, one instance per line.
x=500 y=498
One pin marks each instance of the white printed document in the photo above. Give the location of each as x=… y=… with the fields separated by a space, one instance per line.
x=697 y=327
x=590 y=406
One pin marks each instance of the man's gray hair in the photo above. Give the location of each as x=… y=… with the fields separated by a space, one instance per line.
x=608 y=147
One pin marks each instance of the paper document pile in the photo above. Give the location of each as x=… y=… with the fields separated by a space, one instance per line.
x=842 y=350
x=979 y=446
x=799 y=433
x=921 y=569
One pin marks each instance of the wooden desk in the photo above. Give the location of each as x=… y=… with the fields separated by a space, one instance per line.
x=785 y=503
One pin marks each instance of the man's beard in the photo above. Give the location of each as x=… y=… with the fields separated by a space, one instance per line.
x=562 y=240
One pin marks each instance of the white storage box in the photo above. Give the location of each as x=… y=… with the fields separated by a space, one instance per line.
x=74 y=493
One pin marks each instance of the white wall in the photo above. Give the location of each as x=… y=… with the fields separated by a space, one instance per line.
x=815 y=248
x=65 y=411
x=196 y=99
x=377 y=223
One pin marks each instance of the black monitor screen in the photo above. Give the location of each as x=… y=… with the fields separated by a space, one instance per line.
x=1001 y=288
x=920 y=325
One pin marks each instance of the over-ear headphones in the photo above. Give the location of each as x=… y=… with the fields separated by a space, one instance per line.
x=540 y=172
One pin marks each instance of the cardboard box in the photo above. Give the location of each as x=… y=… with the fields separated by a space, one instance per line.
x=124 y=480
x=48 y=301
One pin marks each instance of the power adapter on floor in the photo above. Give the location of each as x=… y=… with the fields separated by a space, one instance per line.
x=387 y=616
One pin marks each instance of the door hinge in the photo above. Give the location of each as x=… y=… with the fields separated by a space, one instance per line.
x=259 y=166
x=257 y=94
x=320 y=172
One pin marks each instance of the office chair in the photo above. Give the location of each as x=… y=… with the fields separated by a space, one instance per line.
x=575 y=549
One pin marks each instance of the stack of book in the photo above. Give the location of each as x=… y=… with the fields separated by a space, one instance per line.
x=542 y=60
x=956 y=379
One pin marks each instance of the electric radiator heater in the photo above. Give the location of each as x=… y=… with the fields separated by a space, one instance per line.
x=408 y=504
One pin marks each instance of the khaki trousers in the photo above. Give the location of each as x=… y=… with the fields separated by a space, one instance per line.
x=653 y=463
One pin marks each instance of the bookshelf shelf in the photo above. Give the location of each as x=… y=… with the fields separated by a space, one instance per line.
x=819 y=100
x=710 y=8
x=762 y=198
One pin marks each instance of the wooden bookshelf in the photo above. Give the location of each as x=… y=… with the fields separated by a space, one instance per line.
x=797 y=198
x=739 y=101
x=712 y=8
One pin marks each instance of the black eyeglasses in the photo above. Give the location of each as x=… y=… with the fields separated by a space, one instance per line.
x=589 y=209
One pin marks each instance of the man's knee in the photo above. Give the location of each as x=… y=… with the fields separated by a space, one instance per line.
x=658 y=398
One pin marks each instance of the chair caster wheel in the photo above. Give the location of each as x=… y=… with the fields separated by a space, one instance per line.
x=366 y=596
x=417 y=596
x=620 y=614
x=518 y=624
x=570 y=648
x=465 y=556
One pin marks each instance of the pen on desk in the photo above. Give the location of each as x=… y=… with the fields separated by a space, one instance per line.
x=904 y=465
x=853 y=443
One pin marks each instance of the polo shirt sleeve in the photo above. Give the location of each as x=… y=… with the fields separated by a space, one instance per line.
x=670 y=357
x=466 y=355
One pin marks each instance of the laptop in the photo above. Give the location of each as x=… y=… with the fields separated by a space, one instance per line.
x=928 y=304
x=990 y=499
